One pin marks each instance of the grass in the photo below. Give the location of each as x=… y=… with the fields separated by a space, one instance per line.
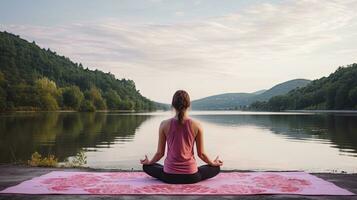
x=37 y=160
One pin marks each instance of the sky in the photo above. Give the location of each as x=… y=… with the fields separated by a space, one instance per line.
x=205 y=47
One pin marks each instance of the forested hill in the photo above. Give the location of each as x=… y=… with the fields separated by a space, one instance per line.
x=234 y=101
x=32 y=78
x=338 y=91
x=280 y=89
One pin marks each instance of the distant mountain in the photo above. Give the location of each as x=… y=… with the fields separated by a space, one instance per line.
x=231 y=101
x=162 y=106
x=259 y=91
x=222 y=101
x=280 y=89
x=338 y=91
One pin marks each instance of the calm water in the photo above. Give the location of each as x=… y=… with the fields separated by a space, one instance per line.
x=244 y=140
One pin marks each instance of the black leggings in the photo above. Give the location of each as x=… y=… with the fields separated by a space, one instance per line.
x=204 y=172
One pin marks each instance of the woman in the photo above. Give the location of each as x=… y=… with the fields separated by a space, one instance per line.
x=180 y=133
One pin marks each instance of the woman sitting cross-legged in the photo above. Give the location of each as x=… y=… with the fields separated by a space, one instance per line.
x=180 y=133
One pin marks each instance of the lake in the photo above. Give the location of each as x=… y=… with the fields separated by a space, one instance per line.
x=244 y=140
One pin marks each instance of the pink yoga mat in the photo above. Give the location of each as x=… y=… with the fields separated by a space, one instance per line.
x=138 y=183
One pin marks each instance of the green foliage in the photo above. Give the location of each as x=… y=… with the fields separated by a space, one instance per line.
x=95 y=96
x=32 y=78
x=338 y=91
x=2 y=78
x=2 y=99
x=113 y=100
x=352 y=95
x=48 y=94
x=72 y=97
x=37 y=160
x=48 y=102
x=126 y=105
x=46 y=86
x=259 y=105
x=3 y=94
x=87 y=106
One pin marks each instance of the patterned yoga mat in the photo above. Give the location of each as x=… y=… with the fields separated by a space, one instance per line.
x=138 y=183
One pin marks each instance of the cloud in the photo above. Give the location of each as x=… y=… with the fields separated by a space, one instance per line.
x=235 y=46
x=155 y=1
x=179 y=13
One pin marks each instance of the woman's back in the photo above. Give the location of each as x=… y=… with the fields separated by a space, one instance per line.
x=180 y=142
x=180 y=134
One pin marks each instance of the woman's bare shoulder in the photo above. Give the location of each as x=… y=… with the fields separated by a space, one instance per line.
x=165 y=123
x=195 y=124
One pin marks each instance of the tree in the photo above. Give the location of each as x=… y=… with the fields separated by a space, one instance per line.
x=341 y=98
x=47 y=86
x=87 y=106
x=48 y=102
x=337 y=91
x=23 y=96
x=48 y=94
x=23 y=63
x=278 y=103
x=95 y=96
x=2 y=78
x=72 y=97
x=126 y=105
x=259 y=105
x=113 y=99
x=352 y=95
x=2 y=99
x=2 y=92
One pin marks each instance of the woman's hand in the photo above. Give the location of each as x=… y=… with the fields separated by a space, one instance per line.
x=145 y=161
x=217 y=162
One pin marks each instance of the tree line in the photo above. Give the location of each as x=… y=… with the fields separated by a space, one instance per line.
x=32 y=78
x=338 y=91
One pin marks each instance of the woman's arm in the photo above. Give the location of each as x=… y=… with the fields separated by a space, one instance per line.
x=201 y=150
x=160 y=148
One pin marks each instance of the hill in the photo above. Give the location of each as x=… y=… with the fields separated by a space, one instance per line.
x=259 y=91
x=32 y=78
x=338 y=91
x=225 y=101
x=280 y=89
x=231 y=101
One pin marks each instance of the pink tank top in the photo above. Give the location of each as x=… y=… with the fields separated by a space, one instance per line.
x=180 y=140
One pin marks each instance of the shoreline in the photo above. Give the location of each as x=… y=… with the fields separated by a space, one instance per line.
x=11 y=175
x=76 y=111
x=141 y=111
x=324 y=111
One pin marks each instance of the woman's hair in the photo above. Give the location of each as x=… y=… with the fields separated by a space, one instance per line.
x=181 y=101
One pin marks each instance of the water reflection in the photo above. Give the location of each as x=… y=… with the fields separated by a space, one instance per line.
x=338 y=130
x=254 y=141
x=62 y=134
